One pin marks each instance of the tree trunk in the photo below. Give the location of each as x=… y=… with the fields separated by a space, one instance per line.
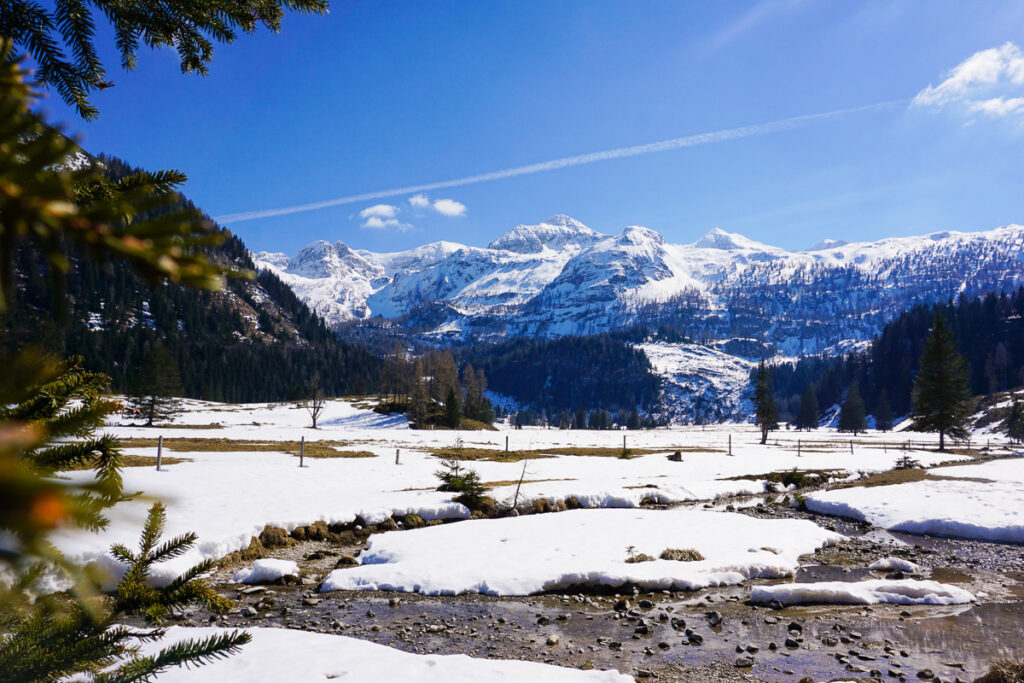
x=942 y=440
x=764 y=434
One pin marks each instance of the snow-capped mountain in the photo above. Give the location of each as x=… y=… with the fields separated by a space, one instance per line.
x=560 y=277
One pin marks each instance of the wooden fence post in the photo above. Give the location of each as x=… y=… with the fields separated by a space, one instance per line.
x=730 y=444
x=302 y=450
x=159 y=452
x=396 y=455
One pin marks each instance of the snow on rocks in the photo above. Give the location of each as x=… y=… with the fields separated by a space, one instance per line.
x=872 y=592
x=301 y=657
x=989 y=508
x=535 y=553
x=266 y=571
x=890 y=563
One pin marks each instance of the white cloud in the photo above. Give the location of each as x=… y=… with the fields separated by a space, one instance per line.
x=445 y=207
x=989 y=82
x=999 y=106
x=378 y=223
x=382 y=217
x=449 y=207
x=379 y=211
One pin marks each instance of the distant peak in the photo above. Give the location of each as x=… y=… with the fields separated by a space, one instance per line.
x=556 y=232
x=716 y=238
x=636 y=234
x=827 y=244
x=561 y=220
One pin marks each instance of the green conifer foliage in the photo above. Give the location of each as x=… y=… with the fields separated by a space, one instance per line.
x=452 y=412
x=1013 y=424
x=155 y=387
x=76 y=637
x=61 y=35
x=807 y=417
x=851 y=414
x=883 y=413
x=766 y=412
x=941 y=394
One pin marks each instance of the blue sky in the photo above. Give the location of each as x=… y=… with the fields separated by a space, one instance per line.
x=380 y=95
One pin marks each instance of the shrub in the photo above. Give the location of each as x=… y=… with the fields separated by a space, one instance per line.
x=905 y=462
x=457 y=478
x=632 y=556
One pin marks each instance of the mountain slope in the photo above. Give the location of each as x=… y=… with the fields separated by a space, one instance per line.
x=252 y=341
x=561 y=278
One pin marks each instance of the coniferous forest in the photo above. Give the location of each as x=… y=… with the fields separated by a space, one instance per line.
x=252 y=341
x=989 y=333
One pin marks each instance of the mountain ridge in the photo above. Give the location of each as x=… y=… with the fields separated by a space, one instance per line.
x=559 y=277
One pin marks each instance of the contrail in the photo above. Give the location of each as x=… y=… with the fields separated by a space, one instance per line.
x=565 y=162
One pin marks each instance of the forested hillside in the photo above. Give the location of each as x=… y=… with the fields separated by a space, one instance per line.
x=989 y=333
x=252 y=341
x=570 y=373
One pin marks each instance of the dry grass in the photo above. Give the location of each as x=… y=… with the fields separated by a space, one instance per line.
x=601 y=452
x=488 y=454
x=903 y=477
x=212 y=425
x=681 y=555
x=313 y=449
x=134 y=461
x=633 y=559
x=777 y=476
x=1004 y=671
x=513 y=482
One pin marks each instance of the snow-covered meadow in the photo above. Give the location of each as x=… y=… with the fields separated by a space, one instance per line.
x=983 y=501
x=228 y=497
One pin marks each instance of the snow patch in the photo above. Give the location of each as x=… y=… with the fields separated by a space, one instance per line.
x=266 y=571
x=873 y=592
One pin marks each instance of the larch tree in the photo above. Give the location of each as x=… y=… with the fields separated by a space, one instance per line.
x=941 y=397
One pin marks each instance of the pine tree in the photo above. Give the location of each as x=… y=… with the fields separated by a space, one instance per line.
x=940 y=400
x=188 y=27
x=766 y=412
x=1013 y=424
x=883 y=413
x=807 y=417
x=452 y=413
x=851 y=415
x=68 y=638
x=155 y=387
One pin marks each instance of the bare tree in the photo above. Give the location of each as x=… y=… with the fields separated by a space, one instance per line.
x=315 y=405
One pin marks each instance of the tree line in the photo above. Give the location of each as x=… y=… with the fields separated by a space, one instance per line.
x=940 y=394
x=988 y=331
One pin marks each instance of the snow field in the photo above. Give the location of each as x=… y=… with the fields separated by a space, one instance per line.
x=536 y=553
x=304 y=657
x=987 y=510
x=871 y=592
